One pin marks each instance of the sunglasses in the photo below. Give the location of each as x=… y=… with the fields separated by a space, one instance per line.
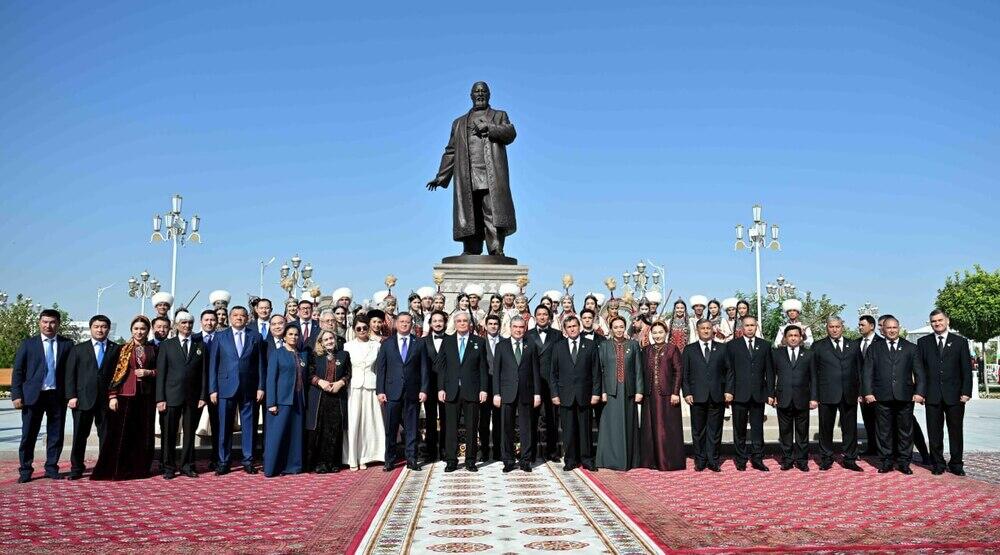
x=361 y=328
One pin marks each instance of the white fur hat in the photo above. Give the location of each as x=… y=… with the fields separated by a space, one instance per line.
x=474 y=289
x=553 y=295
x=426 y=292
x=307 y=296
x=699 y=299
x=341 y=293
x=508 y=289
x=600 y=298
x=219 y=295
x=379 y=296
x=729 y=303
x=163 y=297
x=654 y=297
x=791 y=304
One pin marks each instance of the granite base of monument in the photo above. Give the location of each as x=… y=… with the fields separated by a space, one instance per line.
x=489 y=275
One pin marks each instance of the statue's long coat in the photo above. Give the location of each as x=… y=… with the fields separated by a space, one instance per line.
x=455 y=164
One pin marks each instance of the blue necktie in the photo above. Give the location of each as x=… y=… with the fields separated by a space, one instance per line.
x=461 y=349
x=100 y=354
x=50 y=362
x=405 y=349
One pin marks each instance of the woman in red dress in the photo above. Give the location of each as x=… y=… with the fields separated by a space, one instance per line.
x=662 y=432
x=127 y=448
x=678 y=330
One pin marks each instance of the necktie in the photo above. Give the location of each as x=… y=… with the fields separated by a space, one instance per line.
x=940 y=344
x=517 y=352
x=795 y=356
x=750 y=344
x=239 y=343
x=263 y=329
x=100 y=354
x=572 y=352
x=187 y=353
x=892 y=347
x=50 y=357
x=461 y=349
x=836 y=344
x=864 y=346
x=405 y=348
x=705 y=351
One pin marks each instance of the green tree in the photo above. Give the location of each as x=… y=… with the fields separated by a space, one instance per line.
x=972 y=301
x=18 y=321
x=815 y=311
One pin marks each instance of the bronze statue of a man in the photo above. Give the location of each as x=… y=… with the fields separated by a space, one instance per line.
x=476 y=157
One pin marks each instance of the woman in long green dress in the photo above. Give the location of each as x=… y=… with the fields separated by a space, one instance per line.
x=622 y=385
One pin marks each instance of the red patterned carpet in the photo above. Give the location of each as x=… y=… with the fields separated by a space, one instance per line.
x=237 y=512
x=836 y=510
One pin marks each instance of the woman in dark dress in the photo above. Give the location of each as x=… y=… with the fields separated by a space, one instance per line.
x=622 y=386
x=127 y=448
x=286 y=406
x=662 y=431
x=326 y=419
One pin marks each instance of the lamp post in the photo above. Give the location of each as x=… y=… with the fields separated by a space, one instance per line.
x=3 y=298
x=263 y=265
x=175 y=230
x=291 y=275
x=100 y=291
x=781 y=290
x=143 y=288
x=756 y=240
x=641 y=279
x=868 y=309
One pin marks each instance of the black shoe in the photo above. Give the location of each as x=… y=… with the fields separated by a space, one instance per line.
x=336 y=468
x=451 y=467
x=714 y=468
x=211 y=465
x=804 y=467
x=75 y=475
x=759 y=465
x=852 y=466
x=388 y=467
x=784 y=466
x=472 y=467
x=741 y=466
x=24 y=478
x=590 y=466
x=222 y=470
x=825 y=465
x=526 y=466
x=412 y=465
x=957 y=471
x=553 y=458
x=508 y=467
x=322 y=469
x=169 y=474
x=884 y=469
x=54 y=476
x=906 y=469
x=698 y=467
x=249 y=469
x=568 y=467
x=190 y=473
x=937 y=471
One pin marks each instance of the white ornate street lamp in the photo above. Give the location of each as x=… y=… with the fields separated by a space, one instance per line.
x=176 y=228
x=756 y=240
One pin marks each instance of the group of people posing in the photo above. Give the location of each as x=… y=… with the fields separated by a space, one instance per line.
x=342 y=390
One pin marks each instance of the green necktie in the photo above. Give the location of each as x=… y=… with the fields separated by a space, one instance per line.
x=517 y=353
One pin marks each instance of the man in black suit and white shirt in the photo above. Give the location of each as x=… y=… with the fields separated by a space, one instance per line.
x=751 y=375
x=704 y=384
x=837 y=382
x=516 y=385
x=88 y=376
x=793 y=396
x=308 y=327
x=433 y=408
x=866 y=327
x=181 y=393
x=544 y=336
x=894 y=378
x=948 y=362
x=576 y=387
x=489 y=416
x=462 y=371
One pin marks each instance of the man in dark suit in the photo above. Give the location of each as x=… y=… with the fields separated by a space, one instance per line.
x=544 y=336
x=948 y=362
x=704 y=383
x=576 y=387
x=588 y=327
x=918 y=434
x=489 y=416
x=837 y=380
x=261 y=322
x=516 y=383
x=866 y=327
x=462 y=371
x=205 y=336
x=181 y=393
x=401 y=384
x=792 y=394
x=894 y=378
x=433 y=408
x=37 y=386
x=750 y=377
x=308 y=327
x=88 y=377
x=235 y=379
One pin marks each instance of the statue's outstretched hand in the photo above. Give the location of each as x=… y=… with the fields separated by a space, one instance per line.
x=432 y=186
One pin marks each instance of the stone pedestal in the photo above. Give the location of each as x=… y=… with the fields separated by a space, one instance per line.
x=490 y=276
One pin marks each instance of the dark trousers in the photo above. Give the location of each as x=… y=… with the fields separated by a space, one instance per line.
x=706 y=432
x=937 y=416
x=546 y=414
x=576 y=434
x=870 y=417
x=895 y=427
x=172 y=417
x=751 y=413
x=433 y=416
x=53 y=408
x=793 y=434
x=489 y=417
x=248 y=427
x=486 y=230
x=848 y=410
x=406 y=413
x=453 y=411
x=523 y=412
x=83 y=420
x=213 y=424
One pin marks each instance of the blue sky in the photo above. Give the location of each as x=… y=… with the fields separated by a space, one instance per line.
x=868 y=131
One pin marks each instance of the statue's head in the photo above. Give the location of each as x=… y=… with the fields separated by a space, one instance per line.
x=480 y=95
